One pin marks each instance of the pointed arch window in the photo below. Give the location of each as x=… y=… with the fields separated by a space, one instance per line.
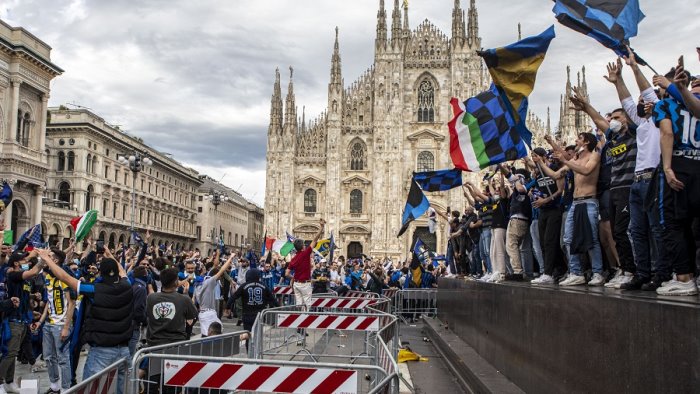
x=356 y=201
x=358 y=156
x=426 y=102
x=310 y=201
x=426 y=162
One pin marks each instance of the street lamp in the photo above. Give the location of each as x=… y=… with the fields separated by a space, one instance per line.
x=216 y=197
x=136 y=162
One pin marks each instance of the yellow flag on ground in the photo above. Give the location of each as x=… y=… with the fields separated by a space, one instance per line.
x=407 y=355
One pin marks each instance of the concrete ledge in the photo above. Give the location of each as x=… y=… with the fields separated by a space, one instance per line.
x=474 y=373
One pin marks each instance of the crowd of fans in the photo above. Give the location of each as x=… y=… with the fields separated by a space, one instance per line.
x=619 y=208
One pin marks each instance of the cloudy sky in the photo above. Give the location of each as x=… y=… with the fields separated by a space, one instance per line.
x=194 y=78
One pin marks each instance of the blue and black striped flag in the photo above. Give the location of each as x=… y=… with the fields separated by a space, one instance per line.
x=435 y=181
x=416 y=205
x=610 y=22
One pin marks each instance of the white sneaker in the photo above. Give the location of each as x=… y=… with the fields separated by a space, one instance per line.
x=11 y=388
x=678 y=288
x=668 y=281
x=2 y=389
x=597 y=280
x=544 y=279
x=618 y=280
x=573 y=280
x=485 y=278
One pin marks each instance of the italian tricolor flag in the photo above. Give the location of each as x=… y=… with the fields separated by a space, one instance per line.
x=82 y=224
x=283 y=247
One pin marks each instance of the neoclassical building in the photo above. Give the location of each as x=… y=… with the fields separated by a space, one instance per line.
x=237 y=220
x=352 y=164
x=83 y=151
x=26 y=72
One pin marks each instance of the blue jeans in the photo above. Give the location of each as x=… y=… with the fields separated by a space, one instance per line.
x=595 y=252
x=134 y=341
x=645 y=234
x=57 y=360
x=475 y=260
x=451 y=259
x=536 y=245
x=100 y=358
x=485 y=248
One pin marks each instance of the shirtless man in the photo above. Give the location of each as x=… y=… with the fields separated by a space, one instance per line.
x=586 y=166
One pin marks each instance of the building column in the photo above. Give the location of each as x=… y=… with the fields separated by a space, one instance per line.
x=38 y=195
x=14 y=107
x=42 y=127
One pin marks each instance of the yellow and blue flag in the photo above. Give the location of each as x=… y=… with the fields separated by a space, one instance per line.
x=323 y=246
x=610 y=22
x=513 y=69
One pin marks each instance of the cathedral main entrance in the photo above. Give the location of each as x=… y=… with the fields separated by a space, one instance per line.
x=354 y=250
x=430 y=240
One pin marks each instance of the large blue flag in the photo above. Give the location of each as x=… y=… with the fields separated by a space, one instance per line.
x=5 y=196
x=31 y=237
x=435 y=181
x=610 y=22
x=416 y=205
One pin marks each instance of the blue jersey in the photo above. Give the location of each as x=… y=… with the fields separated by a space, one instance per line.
x=268 y=279
x=194 y=282
x=686 y=128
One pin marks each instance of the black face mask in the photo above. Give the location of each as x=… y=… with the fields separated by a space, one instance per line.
x=640 y=110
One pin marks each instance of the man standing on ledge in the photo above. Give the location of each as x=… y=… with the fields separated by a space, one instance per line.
x=301 y=264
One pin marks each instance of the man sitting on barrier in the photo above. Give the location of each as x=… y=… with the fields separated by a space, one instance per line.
x=256 y=297
x=301 y=264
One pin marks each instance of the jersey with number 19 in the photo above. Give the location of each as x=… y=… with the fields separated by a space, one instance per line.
x=255 y=297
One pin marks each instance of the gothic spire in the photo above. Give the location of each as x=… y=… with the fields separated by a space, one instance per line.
x=395 y=24
x=276 y=105
x=406 y=28
x=473 y=25
x=520 y=32
x=549 y=124
x=568 y=81
x=458 y=33
x=381 y=26
x=584 y=85
x=290 y=113
x=336 y=75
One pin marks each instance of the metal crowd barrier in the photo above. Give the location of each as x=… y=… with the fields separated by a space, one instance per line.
x=284 y=295
x=147 y=376
x=220 y=375
x=412 y=303
x=321 y=302
x=105 y=381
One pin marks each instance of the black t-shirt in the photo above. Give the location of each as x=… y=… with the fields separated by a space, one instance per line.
x=500 y=213
x=20 y=288
x=255 y=297
x=321 y=285
x=167 y=314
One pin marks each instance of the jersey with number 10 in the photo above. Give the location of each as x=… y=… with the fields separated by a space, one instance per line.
x=686 y=128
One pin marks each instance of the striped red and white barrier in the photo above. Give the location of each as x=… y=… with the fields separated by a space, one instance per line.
x=389 y=293
x=283 y=290
x=357 y=293
x=350 y=303
x=106 y=384
x=333 y=322
x=259 y=378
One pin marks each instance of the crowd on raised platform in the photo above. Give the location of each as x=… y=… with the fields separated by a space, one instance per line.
x=619 y=208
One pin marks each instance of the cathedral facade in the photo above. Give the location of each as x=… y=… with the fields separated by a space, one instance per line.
x=352 y=165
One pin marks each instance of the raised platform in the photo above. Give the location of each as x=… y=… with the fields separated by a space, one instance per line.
x=551 y=340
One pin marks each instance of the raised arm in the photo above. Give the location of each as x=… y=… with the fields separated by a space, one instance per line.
x=615 y=77
x=57 y=271
x=680 y=80
x=583 y=169
x=224 y=268
x=319 y=234
x=580 y=103
x=476 y=192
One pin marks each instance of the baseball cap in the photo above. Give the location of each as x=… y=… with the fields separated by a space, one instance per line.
x=16 y=256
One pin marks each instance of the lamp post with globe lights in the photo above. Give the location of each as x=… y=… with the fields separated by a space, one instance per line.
x=216 y=197
x=136 y=163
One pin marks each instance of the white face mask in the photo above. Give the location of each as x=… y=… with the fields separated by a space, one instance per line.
x=615 y=125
